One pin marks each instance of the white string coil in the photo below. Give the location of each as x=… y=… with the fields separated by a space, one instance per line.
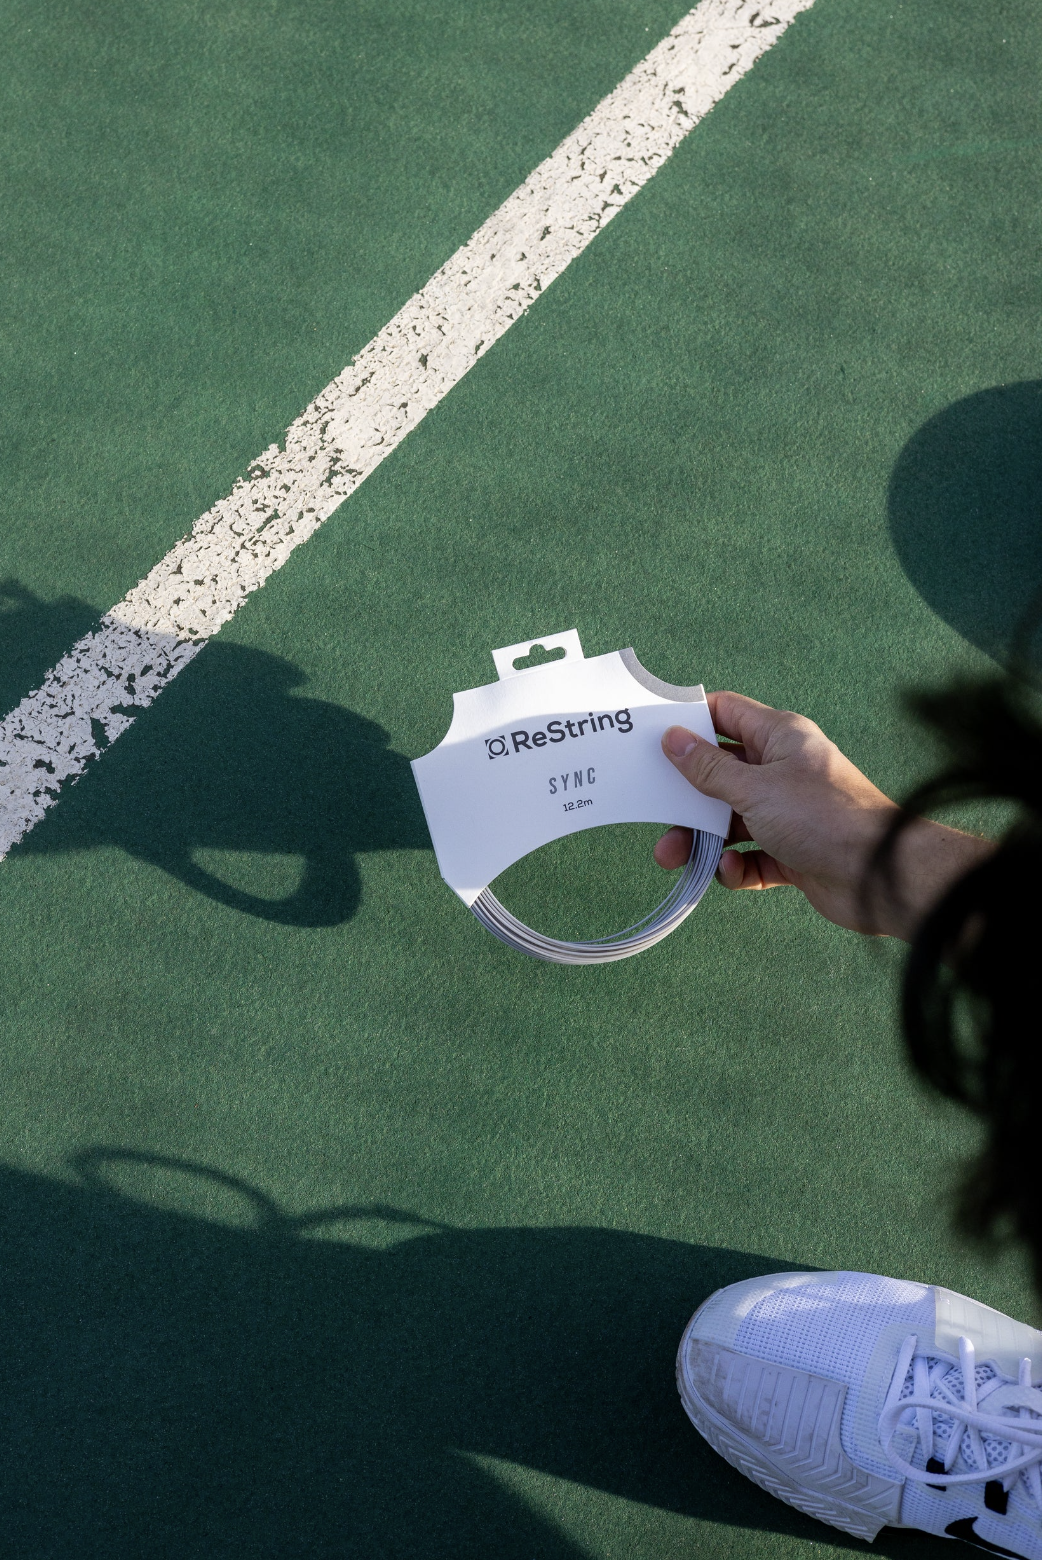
x=677 y=905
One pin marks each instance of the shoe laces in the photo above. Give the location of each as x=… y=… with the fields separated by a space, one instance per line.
x=994 y=1421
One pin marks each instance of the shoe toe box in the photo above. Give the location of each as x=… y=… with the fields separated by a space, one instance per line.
x=827 y=1323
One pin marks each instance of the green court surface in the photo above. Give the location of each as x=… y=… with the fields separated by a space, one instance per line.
x=330 y=1226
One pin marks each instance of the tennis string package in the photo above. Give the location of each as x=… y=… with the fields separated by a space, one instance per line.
x=546 y=751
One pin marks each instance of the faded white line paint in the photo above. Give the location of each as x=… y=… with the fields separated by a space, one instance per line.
x=93 y=694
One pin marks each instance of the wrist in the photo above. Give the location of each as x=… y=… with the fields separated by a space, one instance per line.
x=928 y=859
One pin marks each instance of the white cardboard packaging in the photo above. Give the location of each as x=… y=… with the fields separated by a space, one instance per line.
x=544 y=752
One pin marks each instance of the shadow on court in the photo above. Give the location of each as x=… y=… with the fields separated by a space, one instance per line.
x=34 y=635
x=177 y=1387
x=232 y=782
x=966 y=512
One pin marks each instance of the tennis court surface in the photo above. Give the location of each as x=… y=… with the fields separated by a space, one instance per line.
x=330 y=1227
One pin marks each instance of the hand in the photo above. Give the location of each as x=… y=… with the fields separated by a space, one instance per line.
x=815 y=819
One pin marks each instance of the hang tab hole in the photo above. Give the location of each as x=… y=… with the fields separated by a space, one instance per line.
x=537 y=656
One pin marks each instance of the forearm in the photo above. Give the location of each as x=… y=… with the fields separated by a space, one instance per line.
x=928 y=859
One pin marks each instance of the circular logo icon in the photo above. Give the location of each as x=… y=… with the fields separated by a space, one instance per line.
x=497 y=747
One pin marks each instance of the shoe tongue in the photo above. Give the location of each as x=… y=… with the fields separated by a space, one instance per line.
x=1009 y=1398
x=950 y=1387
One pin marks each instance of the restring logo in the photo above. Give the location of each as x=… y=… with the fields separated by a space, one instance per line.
x=557 y=731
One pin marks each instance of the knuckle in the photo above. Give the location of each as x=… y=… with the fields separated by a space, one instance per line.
x=706 y=761
x=802 y=726
x=716 y=772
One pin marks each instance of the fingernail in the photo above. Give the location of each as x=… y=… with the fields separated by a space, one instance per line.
x=679 y=742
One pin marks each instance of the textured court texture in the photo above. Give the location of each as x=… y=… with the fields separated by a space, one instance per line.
x=116 y=671
x=329 y=1226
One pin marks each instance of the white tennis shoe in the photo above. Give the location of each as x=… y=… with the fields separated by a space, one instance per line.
x=870 y=1402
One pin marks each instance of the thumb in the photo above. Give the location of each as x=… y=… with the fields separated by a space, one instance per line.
x=709 y=769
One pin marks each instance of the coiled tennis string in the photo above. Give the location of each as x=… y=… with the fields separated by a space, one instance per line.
x=677 y=905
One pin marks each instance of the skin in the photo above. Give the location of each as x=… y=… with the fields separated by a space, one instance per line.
x=815 y=820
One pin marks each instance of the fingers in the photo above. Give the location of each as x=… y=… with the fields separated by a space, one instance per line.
x=673 y=849
x=745 y=720
x=710 y=769
x=750 y=869
x=737 y=869
x=738 y=834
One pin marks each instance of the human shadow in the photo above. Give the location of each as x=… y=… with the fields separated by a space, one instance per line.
x=179 y=1387
x=232 y=760
x=34 y=634
x=965 y=505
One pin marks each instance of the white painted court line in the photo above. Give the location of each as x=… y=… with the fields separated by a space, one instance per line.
x=92 y=695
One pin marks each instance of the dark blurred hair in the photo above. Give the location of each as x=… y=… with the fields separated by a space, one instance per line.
x=972 y=999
